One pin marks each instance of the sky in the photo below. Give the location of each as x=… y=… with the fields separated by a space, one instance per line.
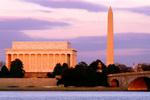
x=81 y=22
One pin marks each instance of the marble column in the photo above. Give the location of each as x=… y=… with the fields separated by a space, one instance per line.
x=59 y=57
x=12 y=57
x=41 y=62
x=30 y=61
x=66 y=59
x=54 y=59
x=25 y=62
x=47 y=61
x=7 y=60
x=71 y=60
x=34 y=64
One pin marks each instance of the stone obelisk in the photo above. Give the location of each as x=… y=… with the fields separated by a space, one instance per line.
x=110 y=39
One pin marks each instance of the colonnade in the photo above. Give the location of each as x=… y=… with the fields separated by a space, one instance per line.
x=41 y=62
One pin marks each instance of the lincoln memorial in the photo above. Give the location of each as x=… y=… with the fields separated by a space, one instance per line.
x=41 y=56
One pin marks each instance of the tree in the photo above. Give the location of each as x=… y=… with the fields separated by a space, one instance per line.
x=98 y=66
x=50 y=75
x=16 y=69
x=57 y=70
x=124 y=68
x=100 y=76
x=64 y=67
x=4 y=71
x=2 y=64
x=84 y=75
x=81 y=65
x=145 y=67
x=112 y=69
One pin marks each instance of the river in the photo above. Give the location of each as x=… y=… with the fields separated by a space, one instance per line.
x=53 y=95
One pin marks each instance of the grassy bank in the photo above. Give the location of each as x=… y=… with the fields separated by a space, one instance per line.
x=44 y=84
x=55 y=88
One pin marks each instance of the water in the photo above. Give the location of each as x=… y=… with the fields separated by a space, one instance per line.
x=52 y=95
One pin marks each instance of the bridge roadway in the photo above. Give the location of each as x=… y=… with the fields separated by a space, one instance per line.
x=125 y=80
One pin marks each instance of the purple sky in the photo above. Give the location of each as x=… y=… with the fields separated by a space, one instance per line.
x=83 y=23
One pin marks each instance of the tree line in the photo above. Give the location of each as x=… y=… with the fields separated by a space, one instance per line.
x=16 y=70
x=94 y=74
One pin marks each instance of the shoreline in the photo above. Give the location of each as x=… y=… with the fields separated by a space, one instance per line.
x=57 y=88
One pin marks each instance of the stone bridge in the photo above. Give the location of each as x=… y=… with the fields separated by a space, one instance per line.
x=132 y=80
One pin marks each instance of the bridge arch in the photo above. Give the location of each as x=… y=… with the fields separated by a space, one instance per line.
x=114 y=83
x=140 y=83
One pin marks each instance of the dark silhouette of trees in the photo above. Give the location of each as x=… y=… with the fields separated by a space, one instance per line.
x=101 y=73
x=2 y=64
x=68 y=77
x=142 y=67
x=98 y=65
x=84 y=75
x=123 y=68
x=74 y=76
x=4 y=72
x=50 y=75
x=58 y=70
x=64 y=67
x=112 y=69
x=118 y=68
x=16 y=69
x=145 y=67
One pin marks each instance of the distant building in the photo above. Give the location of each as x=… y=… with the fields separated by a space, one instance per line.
x=141 y=67
x=41 y=56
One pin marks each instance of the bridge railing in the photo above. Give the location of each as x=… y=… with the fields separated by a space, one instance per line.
x=129 y=73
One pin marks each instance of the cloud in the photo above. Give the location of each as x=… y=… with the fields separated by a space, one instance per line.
x=28 y=24
x=89 y=43
x=12 y=30
x=141 y=10
x=125 y=56
x=129 y=47
x=70 y=4
x=122 y=41
x=6 y=38
x=132 y=40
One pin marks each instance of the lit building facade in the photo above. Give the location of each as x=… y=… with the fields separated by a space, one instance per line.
x=110 y=39
x=41 y=56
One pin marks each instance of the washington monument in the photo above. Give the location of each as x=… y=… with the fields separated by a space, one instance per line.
x=110 y=39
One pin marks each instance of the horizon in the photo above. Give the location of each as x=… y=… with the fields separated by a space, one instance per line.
x=81 y=22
